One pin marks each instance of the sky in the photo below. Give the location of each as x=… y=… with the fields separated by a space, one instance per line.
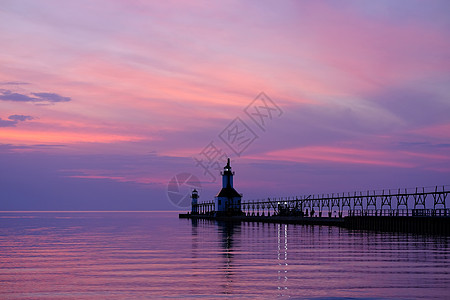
x=128 y=105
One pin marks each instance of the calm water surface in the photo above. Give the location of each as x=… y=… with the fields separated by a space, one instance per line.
x=135 y=255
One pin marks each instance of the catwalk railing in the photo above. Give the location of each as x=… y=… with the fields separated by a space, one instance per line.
x=425 y=201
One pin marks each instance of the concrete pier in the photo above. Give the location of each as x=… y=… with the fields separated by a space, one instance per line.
x=272 y=219
x=420 y=225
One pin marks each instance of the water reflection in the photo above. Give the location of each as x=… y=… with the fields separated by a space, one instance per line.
x=194 y=233
x=282 y=257
x=226 y=231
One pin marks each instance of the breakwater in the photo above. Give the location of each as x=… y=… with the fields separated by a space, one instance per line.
x=420 y=224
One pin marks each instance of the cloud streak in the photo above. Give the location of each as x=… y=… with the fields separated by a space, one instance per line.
x=14 y=119
x=14 y=83
x=20 y=118
x=8 y=95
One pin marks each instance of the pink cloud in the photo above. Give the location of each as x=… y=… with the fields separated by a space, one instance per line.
x=324 y=154
x=439 y=131
x=27 y=137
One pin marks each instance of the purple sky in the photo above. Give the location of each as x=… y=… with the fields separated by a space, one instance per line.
x=103 y=102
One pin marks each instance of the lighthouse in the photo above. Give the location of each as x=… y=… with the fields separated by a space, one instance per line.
x=194 y=197
x=228 y=200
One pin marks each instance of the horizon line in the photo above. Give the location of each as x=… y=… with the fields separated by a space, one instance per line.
x=51 y=211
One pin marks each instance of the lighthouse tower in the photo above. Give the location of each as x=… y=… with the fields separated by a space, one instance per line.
x=228 y=200
x=194 y=197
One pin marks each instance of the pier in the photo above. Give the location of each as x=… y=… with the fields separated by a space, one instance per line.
x=421 y=210
x=400 y=202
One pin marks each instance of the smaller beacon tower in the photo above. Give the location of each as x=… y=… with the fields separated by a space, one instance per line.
x=194 y=196
x=228 y=200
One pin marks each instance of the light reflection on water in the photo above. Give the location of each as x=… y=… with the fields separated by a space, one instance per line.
x=117 y=255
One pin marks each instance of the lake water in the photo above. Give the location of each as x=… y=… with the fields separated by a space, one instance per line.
x=136 y=255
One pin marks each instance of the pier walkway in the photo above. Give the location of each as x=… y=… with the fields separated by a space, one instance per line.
x=430 y=201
